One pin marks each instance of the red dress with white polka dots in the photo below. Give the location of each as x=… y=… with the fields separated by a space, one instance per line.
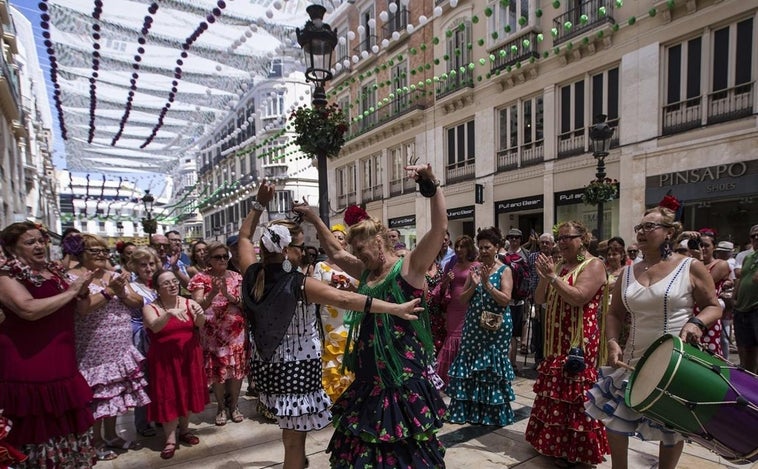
x=558 y=425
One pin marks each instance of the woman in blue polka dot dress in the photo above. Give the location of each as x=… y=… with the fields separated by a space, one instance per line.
x=481 y=375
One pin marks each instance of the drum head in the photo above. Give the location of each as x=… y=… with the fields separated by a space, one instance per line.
x=650 y=370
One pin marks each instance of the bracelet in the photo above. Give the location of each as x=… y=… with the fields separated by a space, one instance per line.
x=106 y=295
x=258 y=207
x=553 y=279
x=700 y=324
x=367 y=305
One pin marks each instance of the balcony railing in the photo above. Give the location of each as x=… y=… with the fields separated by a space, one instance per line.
x=8 y=74
x=366 y=44
x=515 y=51
x=682 y=115
x=397 y=21
x=731 y=103
x=526 y=155
x=722 y=106
x=372 y=193
x=402 y=185
x=399 y=106
x=583 y=18
x=454 y=82
x=341 y=60
x=461 y=171
x=576 y=142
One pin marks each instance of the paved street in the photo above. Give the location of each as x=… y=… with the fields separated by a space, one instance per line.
x=255 y=444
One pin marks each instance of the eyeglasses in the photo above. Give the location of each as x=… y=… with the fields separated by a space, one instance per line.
x=301 y=246
x=567 y=237
x=649 y=226
x=220 y=257
x=169 y=283
x=98 y=252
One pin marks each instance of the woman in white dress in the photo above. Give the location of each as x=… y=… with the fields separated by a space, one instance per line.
x=659 y=293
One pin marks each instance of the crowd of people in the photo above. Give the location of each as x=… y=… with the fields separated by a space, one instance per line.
x=366 y=334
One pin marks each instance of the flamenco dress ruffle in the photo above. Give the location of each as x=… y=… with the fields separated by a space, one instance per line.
x=402 y=433
x=606 y=403
x=118 y=385
x=559 y=426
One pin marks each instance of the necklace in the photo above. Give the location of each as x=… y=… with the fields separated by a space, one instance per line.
x=160 y=303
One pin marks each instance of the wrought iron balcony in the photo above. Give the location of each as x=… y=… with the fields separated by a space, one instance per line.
x=460 y=171
x=517 y=157
x=585 y=17
x=455 y=81
x=366 y=44
x=577 y=141
x=399 y=106
x=518 y=50
x=397 y=22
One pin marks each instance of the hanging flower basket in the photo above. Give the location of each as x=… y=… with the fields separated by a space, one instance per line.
x=320 y=130
x=600 y=191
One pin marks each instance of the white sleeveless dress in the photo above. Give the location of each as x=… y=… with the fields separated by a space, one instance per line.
x=661 y=308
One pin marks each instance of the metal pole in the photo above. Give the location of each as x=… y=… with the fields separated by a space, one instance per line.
x=319 y=101
x=600 y=177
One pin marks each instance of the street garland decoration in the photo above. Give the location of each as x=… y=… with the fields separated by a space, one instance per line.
x=320 y=129
x=602 y=191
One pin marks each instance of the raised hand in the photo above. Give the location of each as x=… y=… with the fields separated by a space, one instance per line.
x=265 y=192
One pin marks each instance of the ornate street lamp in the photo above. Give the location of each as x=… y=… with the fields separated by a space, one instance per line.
x=149 y=224
x=318 y=42
x=600 y=137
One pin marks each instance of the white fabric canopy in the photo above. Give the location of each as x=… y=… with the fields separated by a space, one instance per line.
x=184 y=65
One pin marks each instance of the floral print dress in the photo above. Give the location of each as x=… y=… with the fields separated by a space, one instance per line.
x=223 y=336
x=383 y=423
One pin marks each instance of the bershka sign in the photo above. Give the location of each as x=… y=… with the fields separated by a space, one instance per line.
x=522 y=203
x=460 y=212
x=408 y=220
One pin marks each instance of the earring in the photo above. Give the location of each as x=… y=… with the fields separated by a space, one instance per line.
x=580 y=257
x=666 y=248
x=382 y=259
x=287 y=265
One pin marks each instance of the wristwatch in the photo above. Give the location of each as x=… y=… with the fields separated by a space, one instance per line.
x=257 y=206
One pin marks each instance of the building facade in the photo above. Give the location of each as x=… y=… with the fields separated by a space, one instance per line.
x=27 y=179
x=501 y=96
x=252 y=144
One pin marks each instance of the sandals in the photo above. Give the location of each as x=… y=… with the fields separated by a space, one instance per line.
x=118 y=443
x=264 y=412
x=168 y=451
x=105 y=454
x=237 y=416
x=220 y=418
x=189 y=438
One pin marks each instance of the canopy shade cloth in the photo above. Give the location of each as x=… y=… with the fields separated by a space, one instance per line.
x=138 y=82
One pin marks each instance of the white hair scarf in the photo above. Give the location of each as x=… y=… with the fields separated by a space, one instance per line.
x=276 y=237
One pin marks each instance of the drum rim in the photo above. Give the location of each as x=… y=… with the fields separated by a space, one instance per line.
x=677 y=349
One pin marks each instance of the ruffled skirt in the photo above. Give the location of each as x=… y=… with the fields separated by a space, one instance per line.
x=73 y=451
x=388 y=428
x=117 y=386
x=558 y=426
x=606 y=404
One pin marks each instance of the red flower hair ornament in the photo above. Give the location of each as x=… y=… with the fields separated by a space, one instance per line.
x=670 y=202
x=355 y=214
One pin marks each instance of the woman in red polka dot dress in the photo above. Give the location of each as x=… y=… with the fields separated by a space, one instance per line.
x=558 y=426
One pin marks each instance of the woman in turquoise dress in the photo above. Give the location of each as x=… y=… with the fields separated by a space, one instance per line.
x=481 y=375
x=389 y=416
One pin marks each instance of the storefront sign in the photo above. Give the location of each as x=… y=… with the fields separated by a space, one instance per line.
x=535 y=202
x=460 y=212
x=408 y=220
x=714 y=182
x=574 y=196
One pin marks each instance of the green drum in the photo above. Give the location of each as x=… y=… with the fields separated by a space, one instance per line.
x=700 y=395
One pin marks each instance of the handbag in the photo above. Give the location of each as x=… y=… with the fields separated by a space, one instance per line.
x=488 y=320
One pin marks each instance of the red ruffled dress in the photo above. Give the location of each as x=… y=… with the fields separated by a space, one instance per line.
x=558 y=425
x=41 y=389
x=175 y=364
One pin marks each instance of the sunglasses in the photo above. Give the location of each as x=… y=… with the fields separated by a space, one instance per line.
x=632 y=251
x=567 y=237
